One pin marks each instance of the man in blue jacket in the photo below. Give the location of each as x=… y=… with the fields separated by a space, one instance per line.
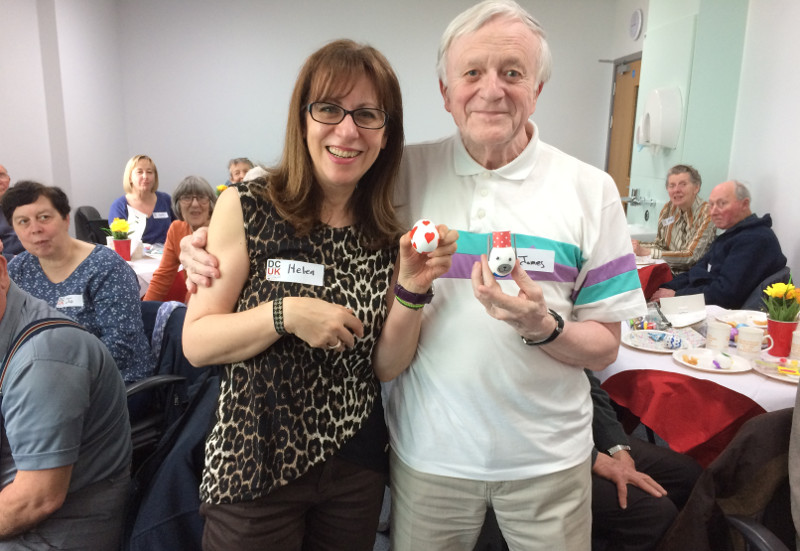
x=739 y=259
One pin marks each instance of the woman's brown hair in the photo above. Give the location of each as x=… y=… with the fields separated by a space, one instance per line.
x=331 y=72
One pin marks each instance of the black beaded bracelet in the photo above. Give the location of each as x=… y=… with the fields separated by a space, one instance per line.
x=277 y=316
x=412 y=300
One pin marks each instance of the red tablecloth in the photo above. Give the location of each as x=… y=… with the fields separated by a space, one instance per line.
x=654 y=276
x=695 y=416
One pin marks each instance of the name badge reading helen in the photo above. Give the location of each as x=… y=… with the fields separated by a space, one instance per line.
x=537 y=260
x=294 y=271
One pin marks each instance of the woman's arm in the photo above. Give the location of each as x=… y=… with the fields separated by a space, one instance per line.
x=415 y=273
x=213 y=333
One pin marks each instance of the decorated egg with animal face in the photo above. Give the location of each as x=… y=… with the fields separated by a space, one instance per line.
x=424 y=236
x=502 y=255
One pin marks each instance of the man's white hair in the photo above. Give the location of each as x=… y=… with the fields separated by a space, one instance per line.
x=477 y=16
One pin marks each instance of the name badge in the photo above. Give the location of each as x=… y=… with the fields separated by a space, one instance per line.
x=160 y=215
x=537 y=260
x=668 y=221
x=294 y=271
x=70 y=301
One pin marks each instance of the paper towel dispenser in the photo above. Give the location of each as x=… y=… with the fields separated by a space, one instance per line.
x=660 y=123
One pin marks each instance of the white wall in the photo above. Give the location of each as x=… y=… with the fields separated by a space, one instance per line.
x=24 y=141
x=193 y=87
x=766 y=143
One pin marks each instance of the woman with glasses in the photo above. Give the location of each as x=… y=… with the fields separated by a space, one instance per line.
x=142 y=203
x=192 y=202
x=305 y=317
x=87 y=282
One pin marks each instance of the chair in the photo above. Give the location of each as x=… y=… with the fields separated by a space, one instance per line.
x=746 y=486
x=147 y=428
x=758 y=537
x=89 y=224
x=754 y=301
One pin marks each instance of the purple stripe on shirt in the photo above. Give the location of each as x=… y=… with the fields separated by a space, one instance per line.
x=462 y=269
x=611 y=269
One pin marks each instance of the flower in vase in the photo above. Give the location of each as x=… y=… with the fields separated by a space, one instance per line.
x=119 y=229
x=782 y=301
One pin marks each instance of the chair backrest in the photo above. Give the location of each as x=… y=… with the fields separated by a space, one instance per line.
x=89 y=224
x=754 y=301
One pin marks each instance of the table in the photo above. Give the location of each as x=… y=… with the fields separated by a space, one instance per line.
x=695 y=412
x=144 y=267
x=652 y=276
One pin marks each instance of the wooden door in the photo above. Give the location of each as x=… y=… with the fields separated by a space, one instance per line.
x=623 y=115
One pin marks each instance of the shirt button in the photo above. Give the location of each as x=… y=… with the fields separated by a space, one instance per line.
x=484 y=192
x=481 y=213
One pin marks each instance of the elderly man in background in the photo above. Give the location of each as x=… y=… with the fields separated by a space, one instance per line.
x=685 y=231
x=65 y=441
x=237 y=169
x=9 y=243
x=739 y=259
x=495 y=409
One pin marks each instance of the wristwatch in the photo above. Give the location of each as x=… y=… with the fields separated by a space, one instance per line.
x=556 y=332
x=618 y=448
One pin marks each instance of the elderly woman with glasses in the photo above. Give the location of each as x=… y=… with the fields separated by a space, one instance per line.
x=304 y=317
x=193 y=202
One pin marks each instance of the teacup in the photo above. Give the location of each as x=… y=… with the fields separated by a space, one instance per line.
x=795 y=353
x=718 y=335
x=748 y=344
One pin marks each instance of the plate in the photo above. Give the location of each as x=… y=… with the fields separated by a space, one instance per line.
x=685 y=319
x=747 y=317
x=651 y=341
x=644 y=260
x=771 y=370
x=705 y=360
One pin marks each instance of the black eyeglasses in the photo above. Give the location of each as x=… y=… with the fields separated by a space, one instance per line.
x=364 y=117
x=202 y=200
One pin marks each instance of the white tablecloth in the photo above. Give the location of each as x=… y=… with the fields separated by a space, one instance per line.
x=769 y=393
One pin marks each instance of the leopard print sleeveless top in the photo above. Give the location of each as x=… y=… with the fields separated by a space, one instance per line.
x=292 y=406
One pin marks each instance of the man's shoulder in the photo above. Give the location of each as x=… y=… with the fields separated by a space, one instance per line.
x=561 y=160
x=429 y=148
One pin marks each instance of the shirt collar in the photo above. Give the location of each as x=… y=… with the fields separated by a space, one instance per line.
x=518 y=169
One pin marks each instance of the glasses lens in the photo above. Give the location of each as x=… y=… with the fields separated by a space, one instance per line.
x=326 y=113
x=187 y=199
x=369 y=118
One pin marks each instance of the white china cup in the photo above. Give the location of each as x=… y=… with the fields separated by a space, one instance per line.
x=718 y=335
x=748 y=344
x=795 y=352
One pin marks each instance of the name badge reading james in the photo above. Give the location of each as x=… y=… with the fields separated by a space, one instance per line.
x=294 y=271
x=160 y=215
x=537 y=260
x=70 y=301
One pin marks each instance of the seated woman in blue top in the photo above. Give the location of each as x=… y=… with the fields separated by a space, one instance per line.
x=89 y=283
x=142 y=200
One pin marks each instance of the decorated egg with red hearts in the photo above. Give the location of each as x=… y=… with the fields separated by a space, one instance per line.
x=424 y=236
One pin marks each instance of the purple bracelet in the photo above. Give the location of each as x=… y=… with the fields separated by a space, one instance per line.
x=414 y=299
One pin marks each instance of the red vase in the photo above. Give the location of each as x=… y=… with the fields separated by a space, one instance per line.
x=780 y=334
x=123 y=248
